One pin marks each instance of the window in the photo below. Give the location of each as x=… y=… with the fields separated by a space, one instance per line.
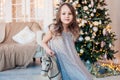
x=40 y=11
x=27 y=10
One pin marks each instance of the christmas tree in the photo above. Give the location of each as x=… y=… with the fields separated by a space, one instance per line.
x=96 y=39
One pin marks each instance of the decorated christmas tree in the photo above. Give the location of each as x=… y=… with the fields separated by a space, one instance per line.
x=96 y=39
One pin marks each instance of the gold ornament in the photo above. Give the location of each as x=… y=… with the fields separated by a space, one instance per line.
x=103 y=50
x=108 y=27
x=111 y=66
x=67 y=1
x=97 y=14
x=78 y=5
x=100 y=49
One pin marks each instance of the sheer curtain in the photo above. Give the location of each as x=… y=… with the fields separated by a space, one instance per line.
x=5 y=11
x=48 y=16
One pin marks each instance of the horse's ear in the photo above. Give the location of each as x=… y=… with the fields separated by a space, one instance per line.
x=44 y=58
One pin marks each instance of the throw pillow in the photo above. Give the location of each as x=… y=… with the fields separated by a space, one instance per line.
x=24 y=36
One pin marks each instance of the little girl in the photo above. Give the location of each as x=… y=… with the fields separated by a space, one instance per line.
x=59 y=42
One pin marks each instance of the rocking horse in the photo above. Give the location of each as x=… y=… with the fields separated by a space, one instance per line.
x=50 y=68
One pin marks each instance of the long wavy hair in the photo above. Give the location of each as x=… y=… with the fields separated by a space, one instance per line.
x=73 y=26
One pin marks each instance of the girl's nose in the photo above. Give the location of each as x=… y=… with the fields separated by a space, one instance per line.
x=67 y=15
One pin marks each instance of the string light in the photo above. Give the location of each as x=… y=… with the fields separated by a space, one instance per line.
x=1 y=8
x=111 y=66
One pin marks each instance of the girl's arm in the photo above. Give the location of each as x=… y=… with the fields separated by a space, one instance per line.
x=45 y=40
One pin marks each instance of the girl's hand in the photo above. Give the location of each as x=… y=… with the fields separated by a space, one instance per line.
x=50 y=52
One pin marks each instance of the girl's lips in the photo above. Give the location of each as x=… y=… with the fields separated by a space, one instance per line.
x=67 y=19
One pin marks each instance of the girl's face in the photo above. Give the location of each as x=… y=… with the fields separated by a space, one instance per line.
x=66 y=15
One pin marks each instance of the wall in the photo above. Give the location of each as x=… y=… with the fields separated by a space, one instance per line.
x=114 y=11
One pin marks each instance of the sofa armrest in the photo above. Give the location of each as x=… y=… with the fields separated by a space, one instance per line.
x=39 y=37
x=39 y=51
x=2 y=32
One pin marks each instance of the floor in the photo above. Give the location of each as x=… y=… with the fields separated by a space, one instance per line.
x=33 y=73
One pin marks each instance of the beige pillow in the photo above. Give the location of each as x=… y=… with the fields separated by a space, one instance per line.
x=24 y=36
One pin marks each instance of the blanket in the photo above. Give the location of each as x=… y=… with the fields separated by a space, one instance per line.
x=13 y=54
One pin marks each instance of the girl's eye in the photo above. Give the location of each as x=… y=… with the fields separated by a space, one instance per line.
x=70 y=13
x=66 y=13
x=63 y=13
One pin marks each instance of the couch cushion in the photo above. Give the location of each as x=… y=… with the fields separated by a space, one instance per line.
x=24 y=36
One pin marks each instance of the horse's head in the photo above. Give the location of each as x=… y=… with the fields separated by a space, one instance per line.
x=50 y=68
x=46 y=64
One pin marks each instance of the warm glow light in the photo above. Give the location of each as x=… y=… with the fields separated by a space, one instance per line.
x=40 y=3
x=2 y=2
x=1 y=8
x=1 y=14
